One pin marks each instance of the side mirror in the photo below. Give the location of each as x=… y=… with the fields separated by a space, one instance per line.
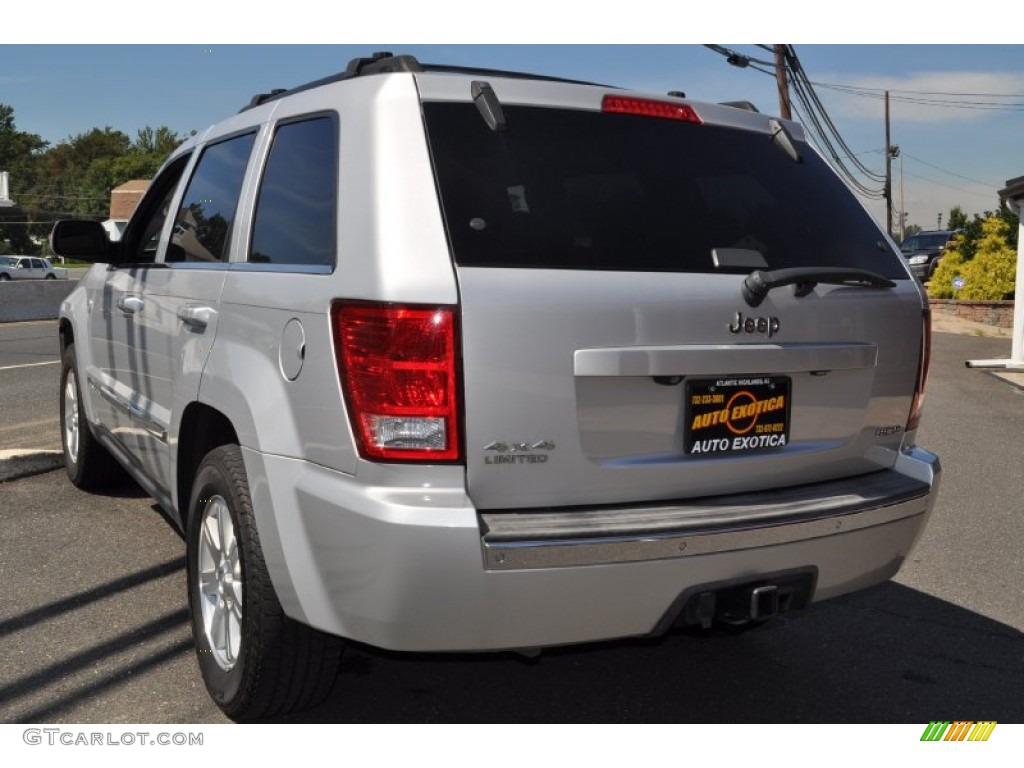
x=83 y=240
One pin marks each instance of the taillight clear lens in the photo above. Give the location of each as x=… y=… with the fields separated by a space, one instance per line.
x=626 y=105
x=398 y=367
x=922 y=371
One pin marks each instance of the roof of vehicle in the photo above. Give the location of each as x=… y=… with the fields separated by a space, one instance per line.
x=521 y=87
x=383 y=62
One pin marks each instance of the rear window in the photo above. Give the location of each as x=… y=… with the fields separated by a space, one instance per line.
x=573 y=189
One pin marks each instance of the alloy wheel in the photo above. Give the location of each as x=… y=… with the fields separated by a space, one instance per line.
x=220 y=583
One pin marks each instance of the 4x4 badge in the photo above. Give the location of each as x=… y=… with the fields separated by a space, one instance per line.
x=519 y=453
x=741 y=324
x=543 y=445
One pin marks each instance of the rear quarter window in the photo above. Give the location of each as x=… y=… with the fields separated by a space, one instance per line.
x=295 y=219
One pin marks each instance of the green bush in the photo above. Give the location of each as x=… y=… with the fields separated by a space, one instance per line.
x=950 y=266
x=989 y=276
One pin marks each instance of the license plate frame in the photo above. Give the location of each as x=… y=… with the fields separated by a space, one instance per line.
x=735 y=415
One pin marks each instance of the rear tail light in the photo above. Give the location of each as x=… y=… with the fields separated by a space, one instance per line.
x=398 y=368
x=626 y=105
x=922 y=371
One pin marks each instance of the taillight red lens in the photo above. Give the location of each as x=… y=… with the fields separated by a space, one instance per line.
x=398 y=368
x=625 y=105
x=922 y=372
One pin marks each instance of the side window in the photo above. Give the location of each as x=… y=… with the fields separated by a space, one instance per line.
x=298 y=198
x=38 y=264
x=142 y=235
x=202 y=227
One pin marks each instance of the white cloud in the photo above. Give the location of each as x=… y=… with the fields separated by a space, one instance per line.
x=922 y=97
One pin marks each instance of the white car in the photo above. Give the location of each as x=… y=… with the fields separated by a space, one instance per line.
x=29 y=268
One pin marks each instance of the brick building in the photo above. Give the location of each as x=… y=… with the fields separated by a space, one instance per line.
x=123 y=202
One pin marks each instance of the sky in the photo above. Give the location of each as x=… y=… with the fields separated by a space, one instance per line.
x=950 y=155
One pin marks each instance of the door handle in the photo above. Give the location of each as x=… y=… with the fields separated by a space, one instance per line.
x=130 y=304
x=195 y=315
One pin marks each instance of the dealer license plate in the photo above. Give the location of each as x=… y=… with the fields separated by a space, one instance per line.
x=736 y=414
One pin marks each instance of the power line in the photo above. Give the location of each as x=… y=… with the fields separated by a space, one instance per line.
x=51 y=196
x=821 y=129
x=951 y=173
x=950 y=186
x=921 y=93
x=851 y=180
x=987 y=106
x=825 y=134
x=738 y=59
x=801 y=80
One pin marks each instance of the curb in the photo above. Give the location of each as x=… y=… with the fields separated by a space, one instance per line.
x=23 y=462
x=1013 y=378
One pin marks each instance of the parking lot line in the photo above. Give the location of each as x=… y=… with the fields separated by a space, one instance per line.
x=29 y=365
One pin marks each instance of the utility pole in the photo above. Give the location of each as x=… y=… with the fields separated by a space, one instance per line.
x=887 y=192
x=903 y=212
x=780 y=77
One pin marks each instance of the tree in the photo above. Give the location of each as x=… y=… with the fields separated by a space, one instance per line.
x=971 y=231
x=72 y=179
x=20 y=153
x=1012 y=221
x=957 y=218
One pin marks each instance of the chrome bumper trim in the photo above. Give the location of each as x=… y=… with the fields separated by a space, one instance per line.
x=692 y=534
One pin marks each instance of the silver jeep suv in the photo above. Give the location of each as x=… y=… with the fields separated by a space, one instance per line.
x=461 y=360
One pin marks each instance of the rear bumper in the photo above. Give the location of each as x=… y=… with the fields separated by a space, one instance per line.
x=421 y=569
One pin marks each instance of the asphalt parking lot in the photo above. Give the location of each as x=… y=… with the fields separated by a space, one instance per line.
x=94 y=627
x=29 y=369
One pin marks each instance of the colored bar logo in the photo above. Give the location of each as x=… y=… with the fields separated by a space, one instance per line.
x=958 y=731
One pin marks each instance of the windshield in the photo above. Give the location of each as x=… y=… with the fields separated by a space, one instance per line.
x=924 y=242
x=6 y=261
x=574 y=189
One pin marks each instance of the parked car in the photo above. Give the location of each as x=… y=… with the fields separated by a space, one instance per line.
x=442 y=359
x=923 y=251
x=29 y=268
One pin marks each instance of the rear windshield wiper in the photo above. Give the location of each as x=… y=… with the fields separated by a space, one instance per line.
x=758 y=283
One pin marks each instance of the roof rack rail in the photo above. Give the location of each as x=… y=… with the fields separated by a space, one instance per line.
x=379 y=62
x=458 y=70
x=259 y=98
x=385 y=61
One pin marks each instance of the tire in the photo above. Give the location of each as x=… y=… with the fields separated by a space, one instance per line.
x=255 y=661
x=4 y=277
x=89 y=465
x=51 y=276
